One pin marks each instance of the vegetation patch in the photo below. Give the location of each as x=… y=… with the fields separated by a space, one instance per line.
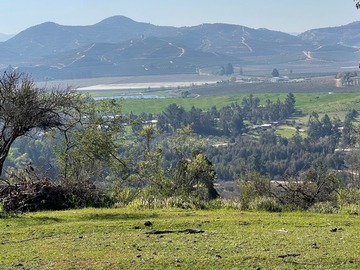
x=307 y=103
x=229 y=239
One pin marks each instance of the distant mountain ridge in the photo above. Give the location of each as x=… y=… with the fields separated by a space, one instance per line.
x=4 y=37
x=120 y=46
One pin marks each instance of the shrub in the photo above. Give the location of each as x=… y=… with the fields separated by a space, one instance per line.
x=251 y=185
x=124 y=196
x=153 y=202
x=26 y=196
x=225 y=204
x=85 y=194
x=314 y=186
x=348 y=196
x=247 y=194
x=351 y=209
x=30 y=196
x=268 y=204
x=324 y=207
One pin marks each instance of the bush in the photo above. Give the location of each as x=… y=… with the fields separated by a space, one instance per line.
x=314 y=186
x=225 y=204
x=351 y=209
x=268 y=204
x=324 y=207
x=38 y=195
x=83 y=194
x=247 y=194
x=183 y=202
x=26 y=196
x=252 y=185
x=124 y=196
x=348 y=196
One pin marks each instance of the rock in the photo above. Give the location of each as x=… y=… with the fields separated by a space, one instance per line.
x=148 y=223
x=314 y=245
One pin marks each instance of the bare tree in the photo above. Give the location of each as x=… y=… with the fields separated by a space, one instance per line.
x=24 y=107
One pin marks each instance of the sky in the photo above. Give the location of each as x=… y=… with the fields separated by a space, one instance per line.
x=291 y=16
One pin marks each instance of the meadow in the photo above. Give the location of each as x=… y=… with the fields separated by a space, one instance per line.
x=225 y=239
x=320 y=95
x=307 y=103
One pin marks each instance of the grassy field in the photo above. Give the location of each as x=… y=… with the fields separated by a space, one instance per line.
x=335 y=103
x=317 y=94
x=231 y=239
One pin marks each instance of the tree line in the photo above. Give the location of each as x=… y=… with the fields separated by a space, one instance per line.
x=226 y=121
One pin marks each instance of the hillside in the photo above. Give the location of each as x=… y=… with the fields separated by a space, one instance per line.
x=119 y=46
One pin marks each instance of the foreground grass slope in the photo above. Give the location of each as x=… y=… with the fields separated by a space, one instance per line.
x=118 y=239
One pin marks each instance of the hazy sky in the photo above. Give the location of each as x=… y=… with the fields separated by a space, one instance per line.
x=282 y=15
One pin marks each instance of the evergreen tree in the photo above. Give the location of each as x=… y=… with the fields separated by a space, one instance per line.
x=275 y=73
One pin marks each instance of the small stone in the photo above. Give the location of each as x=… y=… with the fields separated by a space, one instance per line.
x=148 y=223
x=314 y=245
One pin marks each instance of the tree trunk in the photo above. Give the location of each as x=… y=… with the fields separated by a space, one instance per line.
x=4 y=151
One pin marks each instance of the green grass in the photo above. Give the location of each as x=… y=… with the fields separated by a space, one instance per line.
x=286 y=131
x=117 y=239
x=159 y=105
x=327 y=103
x=320 y=102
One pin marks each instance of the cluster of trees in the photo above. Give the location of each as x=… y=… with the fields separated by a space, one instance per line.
x=346 y=77
x=73 y=139
x=226 y=70
x=89 y=149
x=227 y=121
x=274 y=156
x=277 y=156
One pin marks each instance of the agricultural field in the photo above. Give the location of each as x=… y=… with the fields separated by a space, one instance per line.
x=179 y=239
x=316 y=94
x=335 y=103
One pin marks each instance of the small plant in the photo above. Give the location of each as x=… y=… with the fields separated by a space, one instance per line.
x=124 y=196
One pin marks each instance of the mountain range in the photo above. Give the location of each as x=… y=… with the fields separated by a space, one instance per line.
x=119 y=46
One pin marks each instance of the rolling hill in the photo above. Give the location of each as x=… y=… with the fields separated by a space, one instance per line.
x=120 y=46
